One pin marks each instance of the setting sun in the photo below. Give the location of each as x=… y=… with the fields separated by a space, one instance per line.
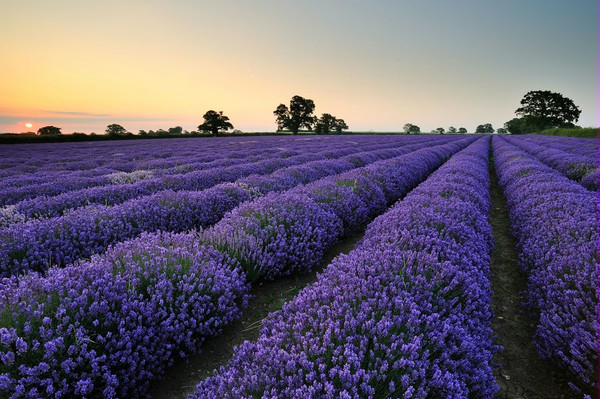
x=28 y=125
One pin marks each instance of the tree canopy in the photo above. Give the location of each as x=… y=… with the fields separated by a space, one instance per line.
x=328 y=123
x=48 y=130
x=214 y=122
x=462 y=130
x=485 y=128
x=115 y=130
x=410 y=128
x=297 y=116
x=551 y=109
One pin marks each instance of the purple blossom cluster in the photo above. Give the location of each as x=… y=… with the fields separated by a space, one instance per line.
x=38 y=244
x=555 y=221
x=576 y=145
x=33 y=171
x=406 y=314
x=576 y=167
x=105 y=328
x=115 y=188
x=284 y=233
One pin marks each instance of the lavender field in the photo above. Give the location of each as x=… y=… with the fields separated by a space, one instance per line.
x=120 y=258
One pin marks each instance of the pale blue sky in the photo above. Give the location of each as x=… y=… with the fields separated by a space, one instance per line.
x=376 y=64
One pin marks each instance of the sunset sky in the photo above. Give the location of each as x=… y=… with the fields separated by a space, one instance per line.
x=81 y=65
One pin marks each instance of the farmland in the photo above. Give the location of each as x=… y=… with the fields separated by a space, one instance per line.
x=122 y=258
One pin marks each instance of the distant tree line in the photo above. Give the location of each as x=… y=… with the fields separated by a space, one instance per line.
x=539 y=110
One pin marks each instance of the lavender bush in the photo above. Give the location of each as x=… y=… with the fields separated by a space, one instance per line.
x=107 y=327
x=575 y=167
x=555 y=221
x=38 y=244
x=407 y=314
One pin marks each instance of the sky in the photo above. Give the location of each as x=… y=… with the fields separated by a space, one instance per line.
x=150 y=64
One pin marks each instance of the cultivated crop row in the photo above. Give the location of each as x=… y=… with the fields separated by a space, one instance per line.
x=406 y=314
x=556 y=224
x=140 y=183
x=38 y=244
x=574 y=145
x=583 y=169
x=57 y=184
x=107 y=326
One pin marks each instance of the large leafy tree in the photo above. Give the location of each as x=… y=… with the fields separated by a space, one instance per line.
x=115 y=130
x=548 y=109
x=328 y=123
x=298 y=115
x=410 y=128
x=46 y=130
x=214 y=122
x=485 y=128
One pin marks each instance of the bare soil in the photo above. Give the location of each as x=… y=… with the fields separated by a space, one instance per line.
x=521 y=374
x=180 y=380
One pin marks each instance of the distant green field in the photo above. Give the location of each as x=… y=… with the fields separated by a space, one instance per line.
x=591 y=132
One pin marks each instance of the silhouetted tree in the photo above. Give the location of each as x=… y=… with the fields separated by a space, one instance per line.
x=410 y=128
x=485 y=128
x=297 y=116
x=175 y=130
x=340 y=125
x=451 y=129
x=328 y=123
x=47 y=130
x=440 y=130
x=214 y=122
x=549 y=109
x=115 y=130
x=501 y=130
x=462 y=130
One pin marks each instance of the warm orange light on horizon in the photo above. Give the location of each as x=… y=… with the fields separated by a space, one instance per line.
x=28 y=125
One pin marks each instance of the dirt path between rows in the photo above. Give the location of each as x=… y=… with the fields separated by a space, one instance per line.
x=180 y=380
x=522 y=373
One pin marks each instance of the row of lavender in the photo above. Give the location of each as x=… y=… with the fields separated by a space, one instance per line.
x=107 y=326
x=575 y=145
x=142 y=183
x=555 y=221
x=406 y=314
x=41 y=183
x=125 y=156
x=37 y=244
x=584 y=169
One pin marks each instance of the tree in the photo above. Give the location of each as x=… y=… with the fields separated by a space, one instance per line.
x=549 y=109
x=325 y=124
x=440 y=130
x=485 y=128
x=501 y=130
x=47 y=130
x=462 y=130
x=410 y=128
x=340 y=125
x=451 y=129
x=175 y=130
x=115 y=130
x=215 y=121
x=297 y=116
x=328 y=123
